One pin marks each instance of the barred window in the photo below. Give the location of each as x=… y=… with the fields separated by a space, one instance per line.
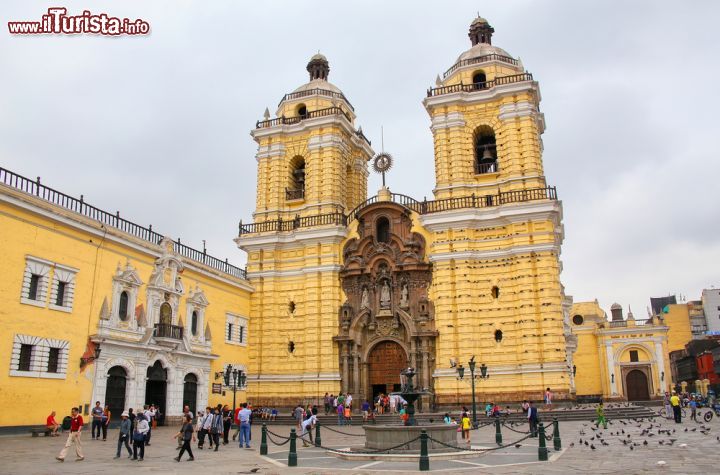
x=25 y=357
x=33 y=290
x=53 y=360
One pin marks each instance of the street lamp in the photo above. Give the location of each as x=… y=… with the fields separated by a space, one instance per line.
x=89 y=359
x=235 y=376
x=483 y=375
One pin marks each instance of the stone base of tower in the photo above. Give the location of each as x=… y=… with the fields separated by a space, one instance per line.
x=286 y=394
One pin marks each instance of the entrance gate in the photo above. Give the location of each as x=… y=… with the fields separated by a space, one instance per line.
x=637 y=386
x=156 y=389
x=115 y=391
x=385 y=362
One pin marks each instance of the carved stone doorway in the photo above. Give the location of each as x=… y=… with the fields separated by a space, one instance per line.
x=385 y=362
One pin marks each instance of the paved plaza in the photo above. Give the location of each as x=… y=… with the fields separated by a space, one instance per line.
x=691 y=448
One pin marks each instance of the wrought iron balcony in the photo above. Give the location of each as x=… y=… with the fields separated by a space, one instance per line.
x=165 y=330
x=299 y=118
x=294 y=194
x=337 y=219
x=479 y=86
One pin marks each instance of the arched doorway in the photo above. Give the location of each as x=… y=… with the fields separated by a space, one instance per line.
x=115 y=391
x=190 y=392
x=156 y=388
x=636 y=383
x=385 y=362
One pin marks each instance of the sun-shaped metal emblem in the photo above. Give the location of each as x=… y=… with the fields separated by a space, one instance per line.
x=382 y=162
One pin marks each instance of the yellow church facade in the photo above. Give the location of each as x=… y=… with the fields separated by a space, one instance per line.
x=341 y=291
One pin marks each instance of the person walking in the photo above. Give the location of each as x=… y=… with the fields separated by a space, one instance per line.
x=142 y=428
x=548 y=398
x=124 y=435
x=668 y=407
x=96 y=413
x=600 y=410
x=693 y=409
x=205 y=426
x=186 y=412
x=327 y=403
x=532 y=415
x=73 y=437
x=675 y=403
x=341 y=414
x=465 y=425
x=216 y=428
x=365 y=408
x=298 y=416
x=105 y=419
x=244 y=417
x=236 y=421
x=227 y=414
x=187 y=433
x=150 y=415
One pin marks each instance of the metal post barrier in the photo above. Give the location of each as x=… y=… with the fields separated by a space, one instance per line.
x=263 y=441
x=318 y=440
x=498 y=434
x=556 y=434
x=542 y=449
x=424 y=459
x=292 y=456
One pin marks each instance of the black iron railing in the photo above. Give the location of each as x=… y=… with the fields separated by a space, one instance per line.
x=481 y=59
x=299 y=118
x=295 y=194
x=165 y=330
x=316 y=92
x=78 y=205
x=479 y=86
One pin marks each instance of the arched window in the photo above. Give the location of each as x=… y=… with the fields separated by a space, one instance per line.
x=479 y=80
x=302 y=111
x=296 y=190
x=165 y=314
x=123 y=307
x=485 y=151
x=382 y=230
x=194 y=322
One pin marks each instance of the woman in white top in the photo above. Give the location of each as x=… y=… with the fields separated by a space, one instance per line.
x=141 y=429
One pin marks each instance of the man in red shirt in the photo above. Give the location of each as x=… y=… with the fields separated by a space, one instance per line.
x=52 y=424
x=74 y=437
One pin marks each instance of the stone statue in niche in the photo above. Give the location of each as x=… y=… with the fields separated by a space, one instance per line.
x=404 y=296
x=385 y=295
x=365 y=299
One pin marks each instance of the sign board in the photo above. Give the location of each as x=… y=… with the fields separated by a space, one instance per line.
x=217 y=388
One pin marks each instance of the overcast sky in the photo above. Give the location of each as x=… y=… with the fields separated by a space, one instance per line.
x=157 y=127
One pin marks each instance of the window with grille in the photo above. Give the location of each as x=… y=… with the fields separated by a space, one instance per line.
x=60 y=298
x=634 y=356
x=229 y=332
x=25 y=357
x=34 y=285
x=241 y=338
x=53 y=360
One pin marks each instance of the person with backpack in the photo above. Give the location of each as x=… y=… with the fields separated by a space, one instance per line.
x=187 y=433
x=142 y=428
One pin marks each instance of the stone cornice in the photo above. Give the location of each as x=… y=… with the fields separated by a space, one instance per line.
x=482 y=96
x=495 y=216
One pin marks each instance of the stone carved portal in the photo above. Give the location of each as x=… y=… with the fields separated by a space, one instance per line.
x=387 y=322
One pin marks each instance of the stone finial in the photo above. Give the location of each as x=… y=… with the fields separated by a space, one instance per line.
x=104 y=310
x=140 y=316
x=438 y=81
x=266 y=115
x=208 y=335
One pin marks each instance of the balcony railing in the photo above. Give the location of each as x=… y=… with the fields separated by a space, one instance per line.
x=316 y=92
x=165 y=330
x=299 y=118
x=481 y=59
x=297 y=194
x=420 y=207
x=479 y=86
x=79 y=206
x=618 y=324
x=482 y=168
x=337 y=219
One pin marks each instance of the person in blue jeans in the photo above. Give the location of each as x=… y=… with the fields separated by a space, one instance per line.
x=341 y=414
x=244 y=417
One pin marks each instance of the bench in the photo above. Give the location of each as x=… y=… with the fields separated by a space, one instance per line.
x=36 y=431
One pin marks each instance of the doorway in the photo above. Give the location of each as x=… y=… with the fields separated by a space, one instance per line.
x=156 y=389
x=190 y=392
x=636 y=383
x=385 y=362
x=115 y=391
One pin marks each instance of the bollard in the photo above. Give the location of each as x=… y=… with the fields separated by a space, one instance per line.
x=557 y=444
x=542 y=449
x=292 y=456
x=424 y=459
x=263 y=440
x=318 y=440
x=498 y=434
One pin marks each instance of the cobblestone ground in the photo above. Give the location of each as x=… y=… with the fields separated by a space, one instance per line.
x=687 y=448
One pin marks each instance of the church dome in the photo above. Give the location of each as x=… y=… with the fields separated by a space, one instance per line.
x=482 y=49
x=616 y=306
x=319 y=84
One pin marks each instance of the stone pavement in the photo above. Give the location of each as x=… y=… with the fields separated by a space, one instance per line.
x=693 y=451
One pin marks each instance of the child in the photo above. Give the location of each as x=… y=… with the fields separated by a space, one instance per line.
x=446 y=419
x=348 y=416
x=465 y=424
x=601 y=416
x=693 y=410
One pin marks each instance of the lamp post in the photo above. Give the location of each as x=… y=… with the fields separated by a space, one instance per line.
x=483 y=375
x=89 y=359
x=236 y=376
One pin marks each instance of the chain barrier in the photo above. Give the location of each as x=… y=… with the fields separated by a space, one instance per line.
x=268 y=432
x=341 y=432
x=360 y=451
x=468 y=449
x=480 y=426
x=517 y=431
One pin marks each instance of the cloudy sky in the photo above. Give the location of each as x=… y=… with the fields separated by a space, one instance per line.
x=157 y=127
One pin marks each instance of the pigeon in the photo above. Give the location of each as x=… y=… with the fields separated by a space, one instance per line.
x=662 y=442
x=586 y=443
x=645 y=442
x=686 y=429
x=632 y=448
x=517 y=446
x=693 y=429
x=572 y=444
x=592 y=446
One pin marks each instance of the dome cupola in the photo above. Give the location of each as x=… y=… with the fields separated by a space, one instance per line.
x=318 y=67
x=480 y=31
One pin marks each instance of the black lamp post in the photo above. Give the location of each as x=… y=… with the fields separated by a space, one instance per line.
x=235 y=376
x=483 y=375
x=91 y=358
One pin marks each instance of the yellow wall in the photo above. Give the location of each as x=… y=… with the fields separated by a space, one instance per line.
x=678 y=319
x=51 y=233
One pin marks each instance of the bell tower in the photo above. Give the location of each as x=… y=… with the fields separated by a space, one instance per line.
x=496 y=229
x=311 y=171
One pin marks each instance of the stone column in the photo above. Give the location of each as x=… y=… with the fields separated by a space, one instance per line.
x=660 y=357
x=413 y=353
x=365 y=382
x=611 y=369
x=356 y=373
x=425 y=364
x=344 y=350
